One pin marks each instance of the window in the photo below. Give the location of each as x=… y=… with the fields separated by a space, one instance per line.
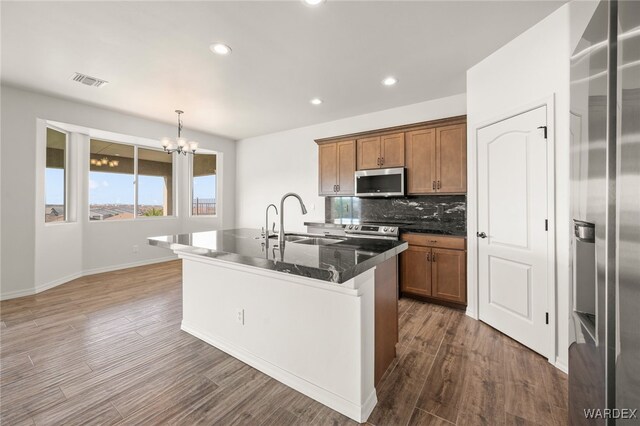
x=155 y=183
x=55 y=177
x=203 y=185
x=112 y=182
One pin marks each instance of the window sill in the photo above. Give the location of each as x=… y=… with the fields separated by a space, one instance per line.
x=137 y=219
x=60 y=223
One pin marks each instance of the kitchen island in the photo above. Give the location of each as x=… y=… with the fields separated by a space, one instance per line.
x=317 y=314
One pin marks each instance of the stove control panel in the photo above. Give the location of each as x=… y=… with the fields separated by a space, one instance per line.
x=372 y=230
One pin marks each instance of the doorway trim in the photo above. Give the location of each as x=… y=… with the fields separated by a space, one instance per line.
x=472 y=215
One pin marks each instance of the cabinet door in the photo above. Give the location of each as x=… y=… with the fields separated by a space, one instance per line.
x=392 y=150
x=369 y=153
x=421 y=161
x=416 y=270
x=449 y=275
x=327 y=169
x=346 y=167
x=451 y=158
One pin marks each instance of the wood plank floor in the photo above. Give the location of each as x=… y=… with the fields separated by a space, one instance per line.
x=108 y=349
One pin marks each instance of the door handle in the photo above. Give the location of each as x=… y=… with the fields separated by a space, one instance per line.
x=481 y=235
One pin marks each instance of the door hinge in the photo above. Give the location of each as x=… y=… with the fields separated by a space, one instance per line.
x=546 y=224
x=547 y=318
x=545 y=130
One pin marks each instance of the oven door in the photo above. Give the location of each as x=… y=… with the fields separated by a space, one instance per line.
x=380 y=183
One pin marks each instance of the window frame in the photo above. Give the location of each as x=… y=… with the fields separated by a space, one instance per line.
x=66 y=175
x=136 y=217
x=190 y=176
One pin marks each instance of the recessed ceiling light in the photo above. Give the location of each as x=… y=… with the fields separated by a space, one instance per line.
x=312 y=2
x=220 y=48
x=316 y=101
x=389 y=81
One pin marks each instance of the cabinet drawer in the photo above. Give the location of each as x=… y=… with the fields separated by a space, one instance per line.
x=429 y=240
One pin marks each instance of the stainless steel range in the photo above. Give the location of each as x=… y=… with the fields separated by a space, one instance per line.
x=356 y=229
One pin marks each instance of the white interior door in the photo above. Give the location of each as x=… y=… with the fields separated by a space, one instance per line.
x=512 y=231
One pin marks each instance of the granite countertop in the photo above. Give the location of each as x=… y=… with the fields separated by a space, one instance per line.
x=435 y=228
x=335 y=263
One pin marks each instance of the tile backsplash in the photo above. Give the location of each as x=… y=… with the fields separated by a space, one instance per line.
x=449 y=210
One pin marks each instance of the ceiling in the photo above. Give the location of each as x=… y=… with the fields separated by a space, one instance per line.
x=156 y=55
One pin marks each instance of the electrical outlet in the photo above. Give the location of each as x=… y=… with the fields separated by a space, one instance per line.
x=135 y=248
x=240 y=316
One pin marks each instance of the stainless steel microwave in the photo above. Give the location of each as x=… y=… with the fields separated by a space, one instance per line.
x=380 y=183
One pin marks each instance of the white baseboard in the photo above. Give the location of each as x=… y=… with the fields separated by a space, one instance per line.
x=59 y=281
x=15 y=294
x=128 y=265
x=561 y=365
x=64 y=280
x=330 y=399
x=471 y=313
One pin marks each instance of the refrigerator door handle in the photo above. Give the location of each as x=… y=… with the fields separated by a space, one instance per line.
x=584 y=231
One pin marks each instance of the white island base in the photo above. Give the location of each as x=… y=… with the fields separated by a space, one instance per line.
x=315 y=336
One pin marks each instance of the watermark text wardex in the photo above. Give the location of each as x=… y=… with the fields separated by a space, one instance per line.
x=611 y=413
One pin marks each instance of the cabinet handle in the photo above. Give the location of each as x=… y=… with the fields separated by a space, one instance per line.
x=378 y=161
x=338 y=188
x=434 y=185
x=428 y=257
x=433 y=257
x=438 y=184
x=382 y=161
x=335 y=188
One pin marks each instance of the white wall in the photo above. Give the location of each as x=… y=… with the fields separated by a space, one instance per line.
x=531 y=67
x=36 y=256
x=271 y=165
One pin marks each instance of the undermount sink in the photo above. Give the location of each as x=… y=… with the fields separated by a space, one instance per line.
x=309 y=240
x=318 y=241
x=289 y=238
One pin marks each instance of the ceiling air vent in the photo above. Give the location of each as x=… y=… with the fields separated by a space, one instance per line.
x=87 y=80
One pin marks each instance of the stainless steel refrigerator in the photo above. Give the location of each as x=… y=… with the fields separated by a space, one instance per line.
x=604 y=351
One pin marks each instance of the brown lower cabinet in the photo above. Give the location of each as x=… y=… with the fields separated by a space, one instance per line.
x=434 y=267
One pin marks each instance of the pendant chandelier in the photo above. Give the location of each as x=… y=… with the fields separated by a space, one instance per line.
x=104 y=162
x=180 y=145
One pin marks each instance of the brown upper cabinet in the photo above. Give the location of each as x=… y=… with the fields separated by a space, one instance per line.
x=421 y=161
x=336 y=166
x=434 y=154
x=437 y=160
x=378 y=152
x=451 y=158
